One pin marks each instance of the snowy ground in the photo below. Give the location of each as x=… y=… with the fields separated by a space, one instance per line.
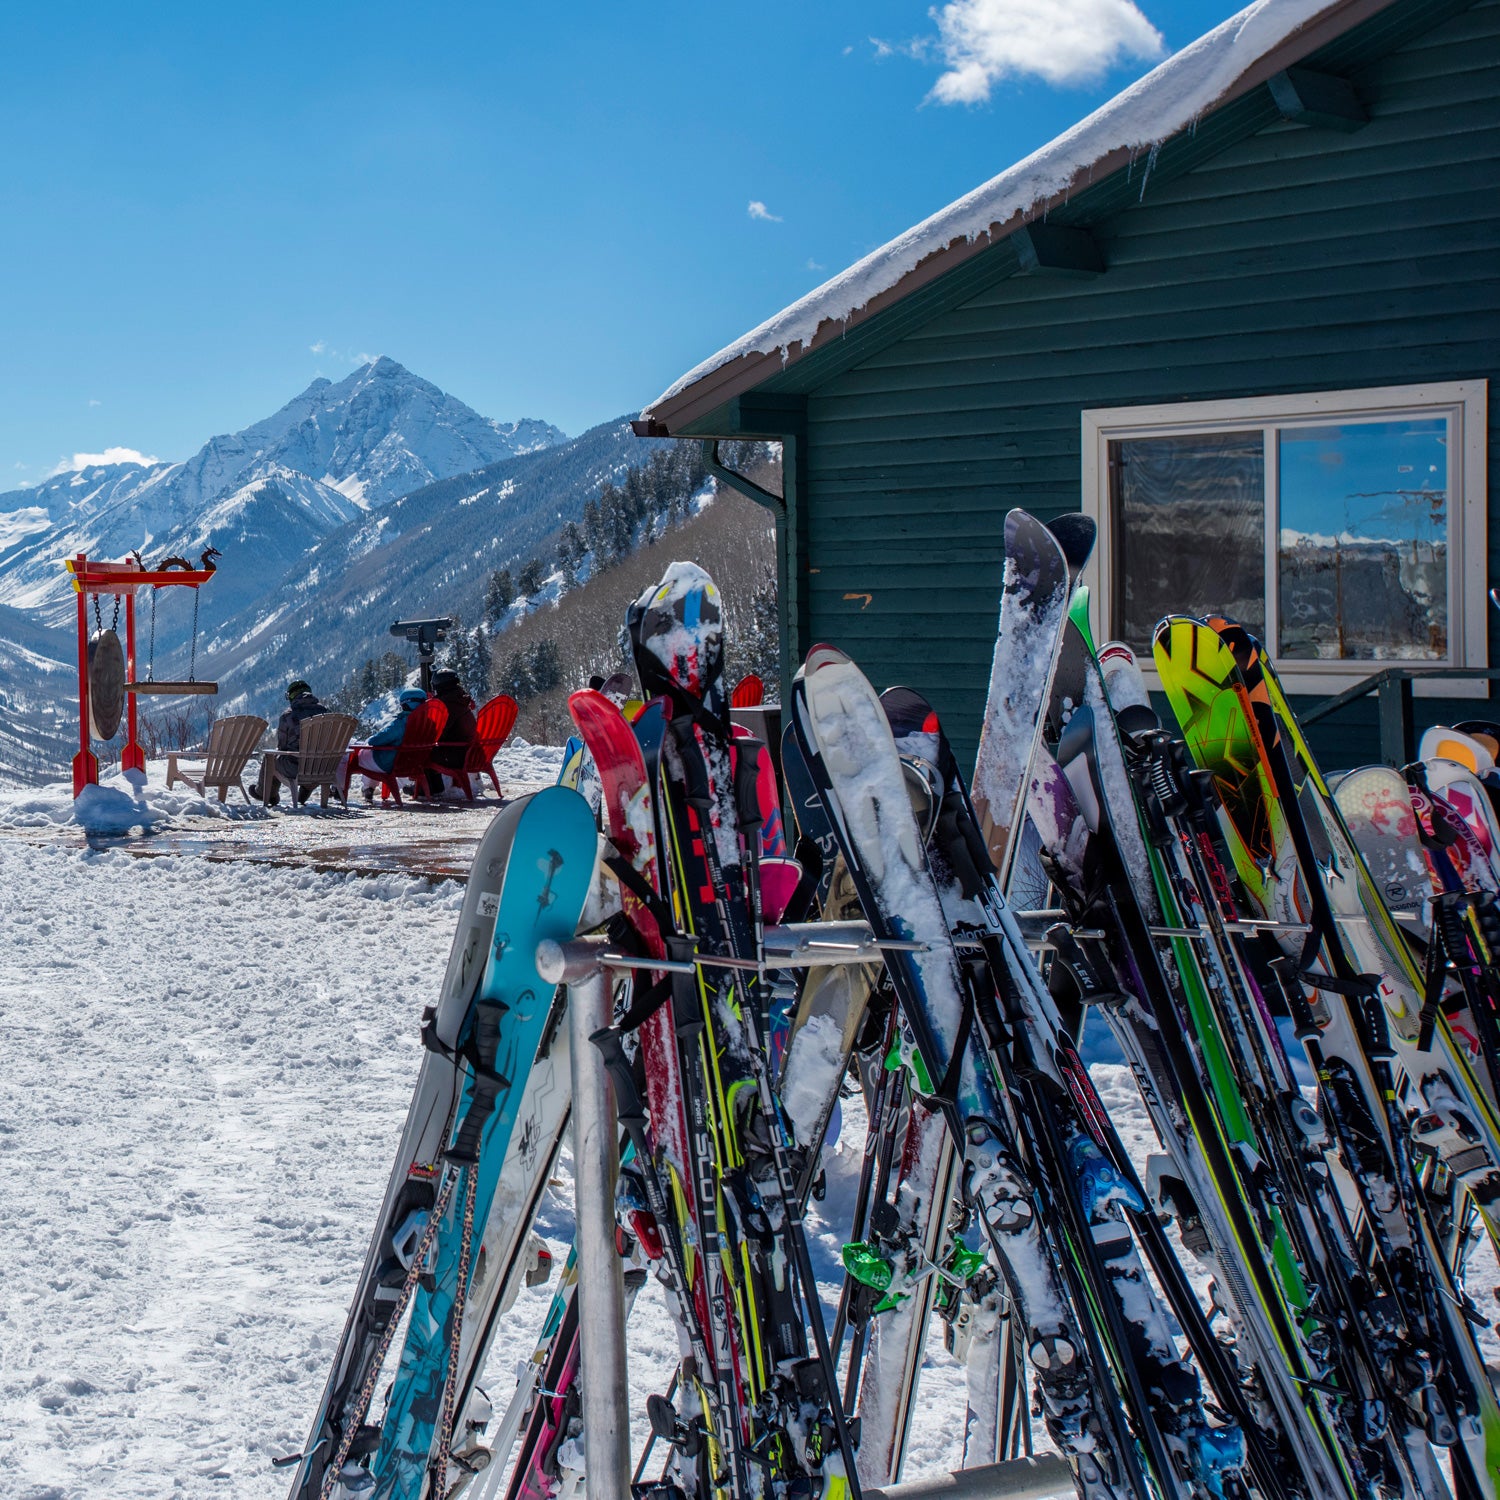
x=205 y=1070
x=433 y=838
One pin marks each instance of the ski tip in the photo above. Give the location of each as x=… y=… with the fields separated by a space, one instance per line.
x=1076 y=534
x=821 y=656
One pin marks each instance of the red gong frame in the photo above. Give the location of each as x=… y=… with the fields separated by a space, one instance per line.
x=123 y=580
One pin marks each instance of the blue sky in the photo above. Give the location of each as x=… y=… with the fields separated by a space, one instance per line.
x=545 y=210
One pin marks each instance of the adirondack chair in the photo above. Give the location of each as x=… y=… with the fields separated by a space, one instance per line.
x=231 y=743
x=414 y=753
x=323 y=741
x=749 y=692
x=493 y=722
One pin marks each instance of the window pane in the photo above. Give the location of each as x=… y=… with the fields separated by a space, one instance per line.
x=1364 y=541
x=1190 y=515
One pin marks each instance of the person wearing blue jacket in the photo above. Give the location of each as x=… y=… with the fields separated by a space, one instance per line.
x=380 y=753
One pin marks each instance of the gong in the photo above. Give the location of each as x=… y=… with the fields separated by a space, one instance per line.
x=106 y=684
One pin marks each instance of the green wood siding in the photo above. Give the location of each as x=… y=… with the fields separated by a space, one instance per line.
x=1292 y=260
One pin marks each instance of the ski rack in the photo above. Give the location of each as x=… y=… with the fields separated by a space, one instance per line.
x=817 y=945
x=596 y=1161
x=583 y=966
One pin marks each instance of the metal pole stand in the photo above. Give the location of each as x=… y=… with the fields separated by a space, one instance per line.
x=601 y=1274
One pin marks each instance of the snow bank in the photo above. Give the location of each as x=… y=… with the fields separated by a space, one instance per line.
x=521 y=762
x=127 y=802
x=1170 y=98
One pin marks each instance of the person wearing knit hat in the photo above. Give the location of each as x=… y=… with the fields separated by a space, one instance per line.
x=301 y=704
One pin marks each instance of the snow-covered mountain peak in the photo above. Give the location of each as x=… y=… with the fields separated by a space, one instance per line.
x=333 y=450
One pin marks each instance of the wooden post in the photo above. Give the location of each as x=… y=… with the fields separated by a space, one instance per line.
x=132 y=757
x=85 y=763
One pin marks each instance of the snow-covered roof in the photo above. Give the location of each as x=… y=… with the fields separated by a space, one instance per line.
x=1228 y=61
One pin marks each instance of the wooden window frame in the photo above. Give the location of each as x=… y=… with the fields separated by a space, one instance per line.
x=1466 y=405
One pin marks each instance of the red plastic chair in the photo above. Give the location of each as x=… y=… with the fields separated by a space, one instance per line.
x=414 y=754
x=493 y=724
x=749 y=692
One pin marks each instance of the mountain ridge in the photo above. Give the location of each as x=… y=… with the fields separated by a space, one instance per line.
x=331 y=452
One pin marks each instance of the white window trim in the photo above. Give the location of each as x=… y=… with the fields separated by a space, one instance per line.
x=1465 y=403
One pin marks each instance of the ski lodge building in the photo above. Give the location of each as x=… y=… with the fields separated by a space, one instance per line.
x=1244 y=315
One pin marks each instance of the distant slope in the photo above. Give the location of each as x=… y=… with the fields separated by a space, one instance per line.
x=428 y=553
x=38 y=697
x=264 y=497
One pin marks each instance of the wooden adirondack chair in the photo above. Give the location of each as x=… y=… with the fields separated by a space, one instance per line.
x=414 y=753
x=231 y=743
x=493 y=723
x=323 y=741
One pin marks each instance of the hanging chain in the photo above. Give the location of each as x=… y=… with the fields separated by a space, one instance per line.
x=193 y=657
x=354 y=1416
x=439 y=1468
x=114 y=623
x=151 y=654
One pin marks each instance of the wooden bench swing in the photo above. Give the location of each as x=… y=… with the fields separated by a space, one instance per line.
x=107 y=682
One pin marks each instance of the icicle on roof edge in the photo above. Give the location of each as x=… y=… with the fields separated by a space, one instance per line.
x=1168 y=99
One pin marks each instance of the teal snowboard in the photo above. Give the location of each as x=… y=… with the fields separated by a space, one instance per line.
x=542 y=894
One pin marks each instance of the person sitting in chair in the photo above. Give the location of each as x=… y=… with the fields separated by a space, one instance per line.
x=459 y=730
x=301 y=704
x=380 y=753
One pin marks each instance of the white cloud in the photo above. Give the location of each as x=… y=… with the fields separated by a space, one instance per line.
x=1059 y=41
x=758 y=210
x=92 y=402
x=99 y=460
x=813 y=265
x=343 y=356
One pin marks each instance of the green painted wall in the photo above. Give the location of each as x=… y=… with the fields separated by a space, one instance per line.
x=1292 y=260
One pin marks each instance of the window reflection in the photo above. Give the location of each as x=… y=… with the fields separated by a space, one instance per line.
x=1363 y=541
x=1189 y=516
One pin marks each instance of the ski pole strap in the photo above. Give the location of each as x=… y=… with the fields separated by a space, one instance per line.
x=628 y=1103
x=470 y=1052
x=947 y=1090
x=642 y=889
x=1435 y=970
x=1360 y=987
x=645 y=1002
x=694 y=767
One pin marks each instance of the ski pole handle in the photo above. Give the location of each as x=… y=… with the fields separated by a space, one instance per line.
x=747 y=753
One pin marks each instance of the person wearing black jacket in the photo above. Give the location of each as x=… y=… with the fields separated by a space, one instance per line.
x=301 y=704
x=460 y=730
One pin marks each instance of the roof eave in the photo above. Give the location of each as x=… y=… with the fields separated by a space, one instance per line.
x=672 y=417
